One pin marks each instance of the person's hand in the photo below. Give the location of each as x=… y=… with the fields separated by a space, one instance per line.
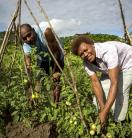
x=101 y=108
x=103 y=117
x=56 y=76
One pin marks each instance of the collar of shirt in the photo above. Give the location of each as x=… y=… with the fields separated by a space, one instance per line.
x=98 y=50
x=99 y=61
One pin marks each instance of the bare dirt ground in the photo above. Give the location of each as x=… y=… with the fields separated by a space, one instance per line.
x=19 y=130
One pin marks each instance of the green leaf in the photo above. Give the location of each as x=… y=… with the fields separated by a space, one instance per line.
x=14 y=113
x=42 y=117
x=16 y=118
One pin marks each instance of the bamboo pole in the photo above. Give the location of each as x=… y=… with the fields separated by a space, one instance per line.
x=47 y=18
x=47 y=45
x=12 y=63
x=7 y=34
x=27 y=73
x=19 y=17
x=69 y=68
x=76 y=94
x=74 y=88
x=126 y=33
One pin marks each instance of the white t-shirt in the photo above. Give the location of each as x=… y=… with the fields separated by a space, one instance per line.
x=110 y=55
x=40 y=45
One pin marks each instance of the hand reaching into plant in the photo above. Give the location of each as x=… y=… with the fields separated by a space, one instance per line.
x=103 y=117
x=56 y=76
x=57 y=87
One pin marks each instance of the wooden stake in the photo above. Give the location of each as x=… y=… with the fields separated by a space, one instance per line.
x=47 y=45
x=76 y=94
x=126 y=33
x=7 y=34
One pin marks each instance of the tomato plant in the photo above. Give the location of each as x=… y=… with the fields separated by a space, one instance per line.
x=15 y=107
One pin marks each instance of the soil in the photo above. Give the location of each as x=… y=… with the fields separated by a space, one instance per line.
x=19 y=130
x=1 y=136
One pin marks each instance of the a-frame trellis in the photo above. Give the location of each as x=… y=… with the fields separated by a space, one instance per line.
x=17 y=15
x=8 y=31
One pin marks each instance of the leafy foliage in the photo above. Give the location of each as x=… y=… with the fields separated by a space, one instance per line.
x=15 y=107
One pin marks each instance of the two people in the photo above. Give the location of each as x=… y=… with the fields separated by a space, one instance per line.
x=114 y=60
x=33 y=38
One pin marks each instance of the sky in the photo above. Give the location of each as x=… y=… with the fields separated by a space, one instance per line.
x=69 y=17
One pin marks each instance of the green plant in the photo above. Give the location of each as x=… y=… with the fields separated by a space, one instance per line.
x=15 y=105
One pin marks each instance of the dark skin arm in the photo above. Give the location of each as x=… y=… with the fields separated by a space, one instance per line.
x=105 y=107
x=113 y=75
x=98 y=91
x=27 y=59
x=54 y=47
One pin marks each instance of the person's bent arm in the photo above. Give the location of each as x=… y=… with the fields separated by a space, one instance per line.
x=54 y=47
x=27 y=59
x=113 y=75
x=98 y=91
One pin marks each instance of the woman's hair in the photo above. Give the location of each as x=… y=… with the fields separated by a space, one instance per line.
x=77 y=42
